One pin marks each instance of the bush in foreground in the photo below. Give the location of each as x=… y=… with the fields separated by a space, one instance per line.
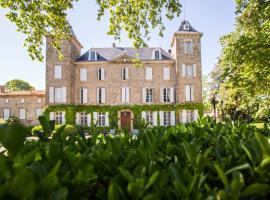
x=202 y=160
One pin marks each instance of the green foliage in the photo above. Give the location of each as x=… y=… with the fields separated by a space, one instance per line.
x=18 y=85
x=113 y=111
x=244 y=62
x=202 y=160
x=40 y=18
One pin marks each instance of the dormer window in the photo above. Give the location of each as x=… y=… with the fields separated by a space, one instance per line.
x=92 y=55
x=186 y=27
x=156 y=54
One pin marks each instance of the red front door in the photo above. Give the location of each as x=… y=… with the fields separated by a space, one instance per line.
x=126 y=120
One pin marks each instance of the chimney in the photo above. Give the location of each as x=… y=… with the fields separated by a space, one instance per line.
x=113 y=44
x=170 y=51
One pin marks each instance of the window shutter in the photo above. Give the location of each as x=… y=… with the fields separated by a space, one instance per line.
x=123 y=95
x=64 y=117
x=184 y=116
x=183 y=70
x=187 y=92
x=103 y=95
x=107 y=119
x=143 y=95
x=144 y=115
x=77 y=121
x=148 y=73
x=64 y=94
x=88 y=120
x=83 y=74
x=171 y=94
x=172 y=118
x=102 y=74
x=95 y=117
x=196 y=115
x=51 y=94
x=155 y=118
x=161 y=118
x=122 y=73
x=161 y=95
x=85 y=95
x=192 y=92
x=194 y=70
x=51 y=115
x=97 y=94
x=127 y=95
x=127 y=74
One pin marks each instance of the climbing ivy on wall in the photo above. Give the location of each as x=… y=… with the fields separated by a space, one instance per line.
x=71 y=110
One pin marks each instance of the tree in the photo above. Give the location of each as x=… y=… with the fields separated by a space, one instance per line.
x=18 y=85
x=245 y=60
x=37 y=18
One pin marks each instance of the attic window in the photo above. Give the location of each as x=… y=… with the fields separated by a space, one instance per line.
x=186 y=27
x=157 y=54
x=92 y=55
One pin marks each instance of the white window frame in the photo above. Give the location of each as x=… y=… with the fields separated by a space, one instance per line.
x=39 y=100
x=6 y=113
x=125 y=94
x=166 y=73
x=189 y=92
x=58 y=71
x=22 y=113
x=83 y=95
x=167 y=118
x=101 y=119
x=101 y=95
x=149 y=73
x=188 y=48
x=101 y=74
x=22 y=100
x=90 y=55
x=154 y=54
x=166 y=95
x=186 y=68
x=125 y=73
x=6 y=101
x=60 y=94
x=83 y=74
x=59 y=117
x=39 y=112
x=149 y=95
x=84 y=119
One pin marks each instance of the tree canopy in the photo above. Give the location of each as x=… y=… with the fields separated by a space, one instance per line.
x=245 y=61
x=18 y=85
x=37 y=18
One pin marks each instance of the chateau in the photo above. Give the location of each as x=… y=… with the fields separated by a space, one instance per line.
x=103 y=87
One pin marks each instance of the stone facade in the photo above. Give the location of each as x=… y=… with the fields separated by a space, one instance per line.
x=24 y=105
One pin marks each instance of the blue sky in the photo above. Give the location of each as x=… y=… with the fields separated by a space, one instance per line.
x=211 y=17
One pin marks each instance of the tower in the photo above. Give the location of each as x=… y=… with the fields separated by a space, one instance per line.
x=186 y=50
x=60 y=74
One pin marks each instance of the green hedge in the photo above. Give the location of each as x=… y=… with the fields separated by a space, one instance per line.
x=113 y=111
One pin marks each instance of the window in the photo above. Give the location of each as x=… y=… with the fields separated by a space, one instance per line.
x=157 y=54
x=58 y=72
x=6 y=113
x=101 y=119
x=148 y=73
x=125 y=95
x=149 y=118
x=149 y=95
x=39 y=100
x=125 y=73
x=92 y=55
x=189 y=116
x=189 y=70
x=101 y=74
x=83 y=119
x=166 y=73
x=83 y=74
x=38 y=112
x=83 y=95
x=167 y=118
x=59 y=118
x=6 y=100
x=166 y=94
x=57 y=95
x=22 y=113
x=189 y=92
x=186 y=27
x=22 y=100
x=101 y=95
x=188 y=47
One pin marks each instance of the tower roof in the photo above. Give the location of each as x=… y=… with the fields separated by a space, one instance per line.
x=186 y=27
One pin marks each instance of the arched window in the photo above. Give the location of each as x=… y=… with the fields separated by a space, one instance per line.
x=92 y=55
x=157 y=54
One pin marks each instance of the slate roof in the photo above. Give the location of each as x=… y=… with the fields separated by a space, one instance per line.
x=109 y=54
x=191 y=29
